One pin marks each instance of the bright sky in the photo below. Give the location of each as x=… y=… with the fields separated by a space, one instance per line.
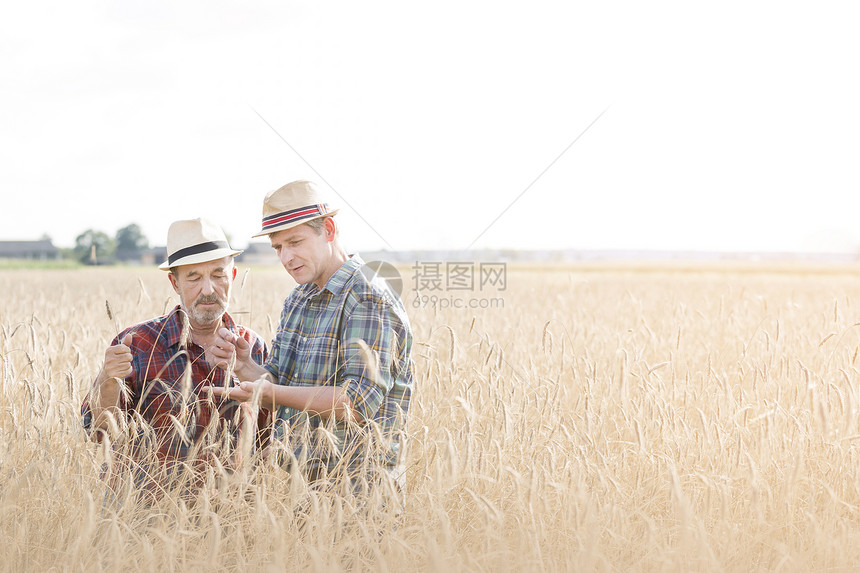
x=725 y=125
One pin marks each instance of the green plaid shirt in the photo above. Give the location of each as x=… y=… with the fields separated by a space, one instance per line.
x=355 y=334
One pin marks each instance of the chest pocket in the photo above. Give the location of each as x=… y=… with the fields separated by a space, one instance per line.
x=318 y=358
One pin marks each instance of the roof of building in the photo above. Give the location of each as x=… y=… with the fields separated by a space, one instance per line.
x=41 y=247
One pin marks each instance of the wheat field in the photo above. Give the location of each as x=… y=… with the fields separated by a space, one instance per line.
x=602 y=419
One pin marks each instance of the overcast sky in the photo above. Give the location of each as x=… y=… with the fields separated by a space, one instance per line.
x=718 y=126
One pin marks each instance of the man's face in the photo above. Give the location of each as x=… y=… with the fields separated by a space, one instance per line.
x=204 y=289
x=305 y=253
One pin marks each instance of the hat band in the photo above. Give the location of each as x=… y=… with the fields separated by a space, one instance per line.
x=196 y=250
x=294 y=215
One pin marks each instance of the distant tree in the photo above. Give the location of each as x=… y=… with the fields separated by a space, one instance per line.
x=130 y=241
x=92 y=247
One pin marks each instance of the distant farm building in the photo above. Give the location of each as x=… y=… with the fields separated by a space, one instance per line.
x=258 y=253
x=42 y=250
x=153 y=256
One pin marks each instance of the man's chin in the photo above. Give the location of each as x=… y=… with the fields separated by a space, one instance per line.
x=299 y=278
x=206 y=318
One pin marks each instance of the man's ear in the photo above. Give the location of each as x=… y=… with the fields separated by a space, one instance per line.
x=235 y=270
x=330 y=229
x=173 y=281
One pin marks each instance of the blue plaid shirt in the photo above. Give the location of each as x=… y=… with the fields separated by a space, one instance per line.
x=355 y=334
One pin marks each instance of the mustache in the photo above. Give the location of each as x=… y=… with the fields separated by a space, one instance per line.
x=209 y=299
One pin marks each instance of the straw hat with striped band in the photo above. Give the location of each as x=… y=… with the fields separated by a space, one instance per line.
x=194 y=241
x=291 y=205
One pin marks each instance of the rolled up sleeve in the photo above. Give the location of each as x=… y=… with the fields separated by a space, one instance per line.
x=366 y=356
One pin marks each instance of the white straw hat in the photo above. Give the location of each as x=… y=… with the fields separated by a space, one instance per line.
x=293 y=204
x=195 y=241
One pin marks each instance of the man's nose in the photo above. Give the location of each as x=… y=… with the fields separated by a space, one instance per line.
x=286 y=256
x=207 y=287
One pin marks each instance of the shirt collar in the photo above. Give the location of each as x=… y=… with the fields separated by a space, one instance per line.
x=336 y=283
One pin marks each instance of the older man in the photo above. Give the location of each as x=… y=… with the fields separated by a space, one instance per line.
x=154 y=372
x=340 y=370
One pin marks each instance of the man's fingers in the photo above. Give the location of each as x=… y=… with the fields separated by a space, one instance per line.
x=118 y=370
x=118 y=359
x=236 y=343
x=241 y=343
x=233 y=393
x=223 y=344
x=227 y=335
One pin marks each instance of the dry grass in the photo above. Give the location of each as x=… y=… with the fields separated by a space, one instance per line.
x=610 y=420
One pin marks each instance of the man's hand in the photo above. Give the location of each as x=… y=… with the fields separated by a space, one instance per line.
x=244 y=392
x=118 y=360
x=227 y=348
x=230 y=350
x=325 y=401
x=109 y=387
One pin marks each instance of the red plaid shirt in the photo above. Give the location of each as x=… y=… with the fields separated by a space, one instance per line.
x=172 y=420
